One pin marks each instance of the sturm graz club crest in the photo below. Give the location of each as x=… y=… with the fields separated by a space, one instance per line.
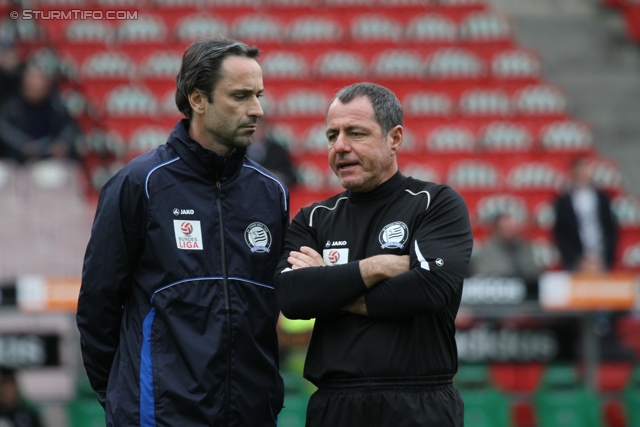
x=394 y=235
x=258 y=237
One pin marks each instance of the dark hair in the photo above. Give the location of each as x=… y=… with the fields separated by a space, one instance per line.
x=386 y=106
x=201 y=64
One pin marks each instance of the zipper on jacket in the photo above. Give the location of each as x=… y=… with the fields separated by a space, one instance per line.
x=227 y=305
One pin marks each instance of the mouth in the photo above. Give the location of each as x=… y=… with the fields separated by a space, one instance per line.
x=345 y=166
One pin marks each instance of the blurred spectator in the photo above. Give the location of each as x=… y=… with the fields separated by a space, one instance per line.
x=34 y=123
x=273 y=156
x=13 y=413
x=585 y=229
x=506 y=253
x=10 y=70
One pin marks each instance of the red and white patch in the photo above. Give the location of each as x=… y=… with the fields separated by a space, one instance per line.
x=335 y=256
x=188 y=234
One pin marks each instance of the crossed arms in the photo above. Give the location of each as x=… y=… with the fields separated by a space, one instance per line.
x=373 y=270
x=380 y=286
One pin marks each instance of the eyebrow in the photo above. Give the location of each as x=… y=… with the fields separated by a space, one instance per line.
x=349 y=128
x=246 y=91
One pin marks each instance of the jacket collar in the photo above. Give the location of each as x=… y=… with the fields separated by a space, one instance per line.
x=205 y=162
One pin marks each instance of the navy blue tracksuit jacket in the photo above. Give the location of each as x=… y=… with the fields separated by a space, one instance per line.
x=177 y=311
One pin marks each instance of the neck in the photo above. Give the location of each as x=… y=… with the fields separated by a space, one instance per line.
x=198 y=134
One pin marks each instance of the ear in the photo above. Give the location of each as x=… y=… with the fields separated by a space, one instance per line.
x=197 y=100
x=396 y=136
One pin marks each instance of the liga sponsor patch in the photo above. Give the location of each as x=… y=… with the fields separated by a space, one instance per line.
x=188 y=234
x=335 y=256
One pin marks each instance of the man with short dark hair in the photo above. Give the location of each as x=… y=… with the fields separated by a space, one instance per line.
x=177 y=311
x=383 y=349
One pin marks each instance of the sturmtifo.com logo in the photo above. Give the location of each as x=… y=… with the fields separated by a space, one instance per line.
x=74 y=14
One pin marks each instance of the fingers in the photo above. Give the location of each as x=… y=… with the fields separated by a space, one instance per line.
x=315 y=256
x=307 y=257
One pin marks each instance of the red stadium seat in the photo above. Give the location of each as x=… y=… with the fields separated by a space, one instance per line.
x=535 y=176
x=517 y=377
x=540 y=100
x=145 y=138
x=104 y=71
x=340 y=67
x=284 y=66
x=627 y=211
x=450 y=139
x=423 y=104
x=398 y=64
x=516 y=64
x=260 y=28
x=431 y=28
x=566 y=137
x=505 y=137
x=485 y=104
x=474 y=175
x=189 y=28
x=375 y=30
x=139 y=36
x=489 y=206
x=486 y=28
x=313 y=30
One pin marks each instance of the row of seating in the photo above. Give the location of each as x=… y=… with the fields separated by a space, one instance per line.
x=331 y=26
x=271 y=4
x=477 y=173
x=515 y=394
x=559 y=400
x=512 y=67
x=539 y=104
x=562 y=138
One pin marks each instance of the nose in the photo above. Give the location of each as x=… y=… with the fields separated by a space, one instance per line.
x=341 y=144
x=255 y=110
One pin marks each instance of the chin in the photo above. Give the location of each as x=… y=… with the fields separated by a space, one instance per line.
x=243 y=142
x=350 y=185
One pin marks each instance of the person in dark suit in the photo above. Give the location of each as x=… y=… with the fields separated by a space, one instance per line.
x=272 y=156
x=585 y=229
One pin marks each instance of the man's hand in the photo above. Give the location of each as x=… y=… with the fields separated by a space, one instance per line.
x=377 y=268
x=307 y=257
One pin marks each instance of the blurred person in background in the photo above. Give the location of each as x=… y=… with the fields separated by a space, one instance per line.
x=585 y=228
x=506 y=253
x=273 y=156
x=586 y=233
x=10 y=70
x=13 y=413
x=34 y=123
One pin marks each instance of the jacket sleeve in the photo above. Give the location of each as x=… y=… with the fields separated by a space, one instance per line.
x=314 y=291
x=565 y=232
x=440 y=254
x=114 y=247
